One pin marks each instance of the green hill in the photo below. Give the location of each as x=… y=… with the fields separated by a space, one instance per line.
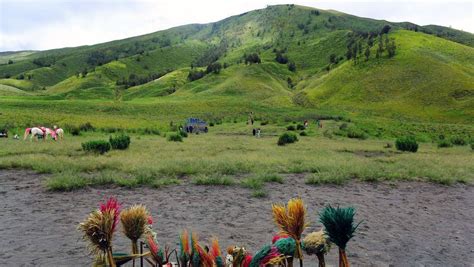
x=304 y=64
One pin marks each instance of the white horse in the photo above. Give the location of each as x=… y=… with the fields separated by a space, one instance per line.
x=59 y=133
x=35 y=132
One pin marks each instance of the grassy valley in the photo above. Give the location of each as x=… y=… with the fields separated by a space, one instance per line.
x=367 y=79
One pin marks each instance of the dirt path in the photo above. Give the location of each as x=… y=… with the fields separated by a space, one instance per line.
x=407 y=224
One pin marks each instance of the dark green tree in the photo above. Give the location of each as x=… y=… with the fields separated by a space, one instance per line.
x=391 y=48
x=367 y=53
x=292 y=66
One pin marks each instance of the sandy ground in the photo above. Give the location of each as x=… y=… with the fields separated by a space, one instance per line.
x=405 y=224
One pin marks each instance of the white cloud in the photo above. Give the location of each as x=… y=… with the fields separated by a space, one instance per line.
x=64 y=23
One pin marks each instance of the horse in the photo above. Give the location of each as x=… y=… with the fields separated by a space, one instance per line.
x=51 y=132
x=34 y=132
x=59 y=133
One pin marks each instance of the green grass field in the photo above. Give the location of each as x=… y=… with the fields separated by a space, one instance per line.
x=229 y=155
x=140 y=85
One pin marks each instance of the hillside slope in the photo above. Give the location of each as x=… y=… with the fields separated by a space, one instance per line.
x=429 y=76
x=304 y=62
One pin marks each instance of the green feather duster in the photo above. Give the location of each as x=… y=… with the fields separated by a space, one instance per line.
x=286 y=246
x=339 y=224
x=260 y=255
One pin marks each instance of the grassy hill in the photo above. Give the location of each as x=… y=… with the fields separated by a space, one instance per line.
x=428 y=79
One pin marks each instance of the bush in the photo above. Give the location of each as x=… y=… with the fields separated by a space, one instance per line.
x=444 y=143
x=343 y=126
x=151 y=131
x=458 y=141
x=287 y=138
x=292 y=66
x=252 y=58
x=75 y=131
x=175 y=137
x=195 y=75
x=303 y=133
x=183 y=133
x=356 y=133
x=407 y=143
x=472 y=145
x=98 y=146
x=291 y=128
x=300 y=127
x=263 y=123
x=86 y=127
x=120 y=142
x=211 y=124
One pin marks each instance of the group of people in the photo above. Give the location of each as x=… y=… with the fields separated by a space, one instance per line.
x=43 y=132
x=256 y=132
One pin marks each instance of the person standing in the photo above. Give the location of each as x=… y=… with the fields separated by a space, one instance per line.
x=258 y=133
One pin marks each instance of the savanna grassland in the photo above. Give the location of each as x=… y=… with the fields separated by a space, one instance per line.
x=230 y=155
x=370 y=81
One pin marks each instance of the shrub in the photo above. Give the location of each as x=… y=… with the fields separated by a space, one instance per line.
x=213 y=180
x=303 y=133
x=151 y=131
x=183 y=133
x=300 y=127
x=195 y=75
x=356 y=133
x=343 y=126
x=444 y=143
x=287 y=138
x=458 y=141
x=262 y=123
x=75 y=131
x=175 y=137
x=472 y=145
x=86 y=127
x=252 y=58
x=291 y=128
x=292 y=66
x=98 y=146
x=211 y=124
x=120 y=142
x=406 y=143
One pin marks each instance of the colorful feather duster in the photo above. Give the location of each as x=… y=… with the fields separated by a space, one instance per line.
x=99 y=228
x=317 y=243
x=292 y=221
x=277 y=237
x=286 y=246
x=184 y=251
x=340 y=228
x=216 y=252
x=135 y=224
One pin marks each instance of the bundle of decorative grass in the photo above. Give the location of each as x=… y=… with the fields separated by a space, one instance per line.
x=292 y=221
x=286 y=246
x=216 y=252
x=317 y=243
x=184 y=252
x=158 y=256
x=199 y=257
x=340 y=228
x=268 y=255
x=135 y=224
x=98 y=229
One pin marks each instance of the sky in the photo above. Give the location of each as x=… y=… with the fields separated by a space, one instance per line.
x=47 y=24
